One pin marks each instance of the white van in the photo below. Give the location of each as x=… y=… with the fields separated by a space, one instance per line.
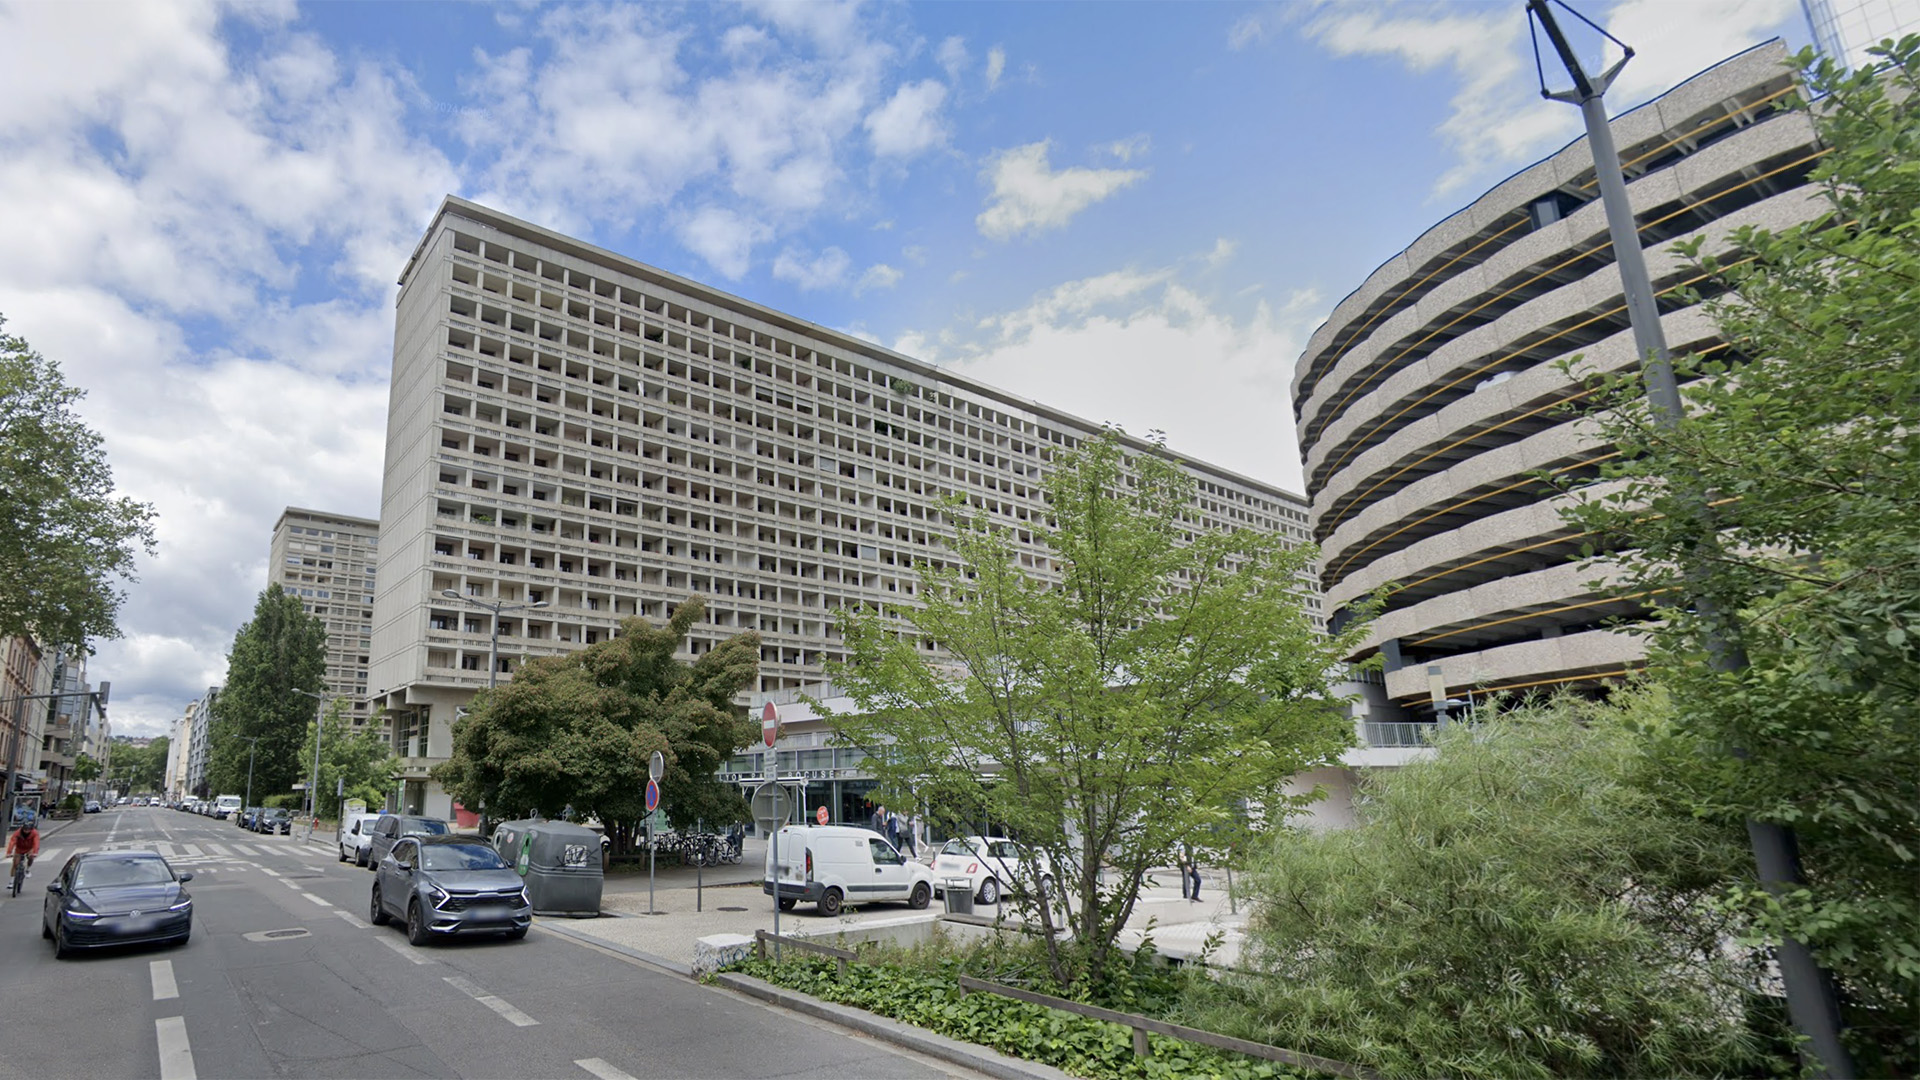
x=832 y=865
x=356 y=837
x=226 y=805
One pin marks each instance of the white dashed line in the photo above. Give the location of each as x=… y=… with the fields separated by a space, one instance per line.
x=403 y=950
x=216 y=849
x=507 y=1012
x=270 y=873
x=176 y=1055
x=354 y=920
x=161 y=972
x=601 y=1069
x=317 y=900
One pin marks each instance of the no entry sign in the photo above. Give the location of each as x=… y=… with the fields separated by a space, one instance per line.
x=769 y=724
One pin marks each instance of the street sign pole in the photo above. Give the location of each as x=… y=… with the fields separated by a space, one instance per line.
x=656 y=767
x=769 y=731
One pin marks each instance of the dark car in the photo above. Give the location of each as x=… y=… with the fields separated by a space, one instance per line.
x=277 y=820
x=245 y=817
x=447 y=885
x=116 y=898
x=391 y=827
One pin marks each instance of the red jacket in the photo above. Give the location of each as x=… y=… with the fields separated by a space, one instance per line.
x=30 y=845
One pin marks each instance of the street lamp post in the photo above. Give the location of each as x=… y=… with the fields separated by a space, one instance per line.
x=319 y=729
x=493 y=645
x=253 y=743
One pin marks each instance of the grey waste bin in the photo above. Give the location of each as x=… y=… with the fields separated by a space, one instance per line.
x=959 y=894
x=561 y=863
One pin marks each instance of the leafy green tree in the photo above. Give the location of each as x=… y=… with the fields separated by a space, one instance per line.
x=359 y=757
x=85 y=769
x=1531 y=902
x=65 y=539
x=140 y=768
x=1808 y=443
x=280 y=650
x=578 y=730
x=1132 y=704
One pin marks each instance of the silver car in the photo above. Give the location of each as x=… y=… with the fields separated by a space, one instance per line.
x=441 y=886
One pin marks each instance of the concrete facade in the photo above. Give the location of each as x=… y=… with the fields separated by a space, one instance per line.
x=330 y=561
x=573 y=427
x=1433 y=396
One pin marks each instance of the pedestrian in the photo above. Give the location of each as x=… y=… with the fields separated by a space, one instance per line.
x=1186 y=885
x=893 y=830
x=1193 y=871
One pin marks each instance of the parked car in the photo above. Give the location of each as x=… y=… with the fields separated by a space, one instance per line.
x=354 y=840
x=92 y=806
x=275 y=820
x=226 y=805
x=116 y=898
x=833 y=865
x=391 y=827
x=245 y=817
x=992 y=865
x=444 y=885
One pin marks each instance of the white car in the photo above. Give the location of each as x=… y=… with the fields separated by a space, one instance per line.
x=356 y=838
x=991 y=865
x=833 y=865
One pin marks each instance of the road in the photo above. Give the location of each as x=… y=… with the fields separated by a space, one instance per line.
x=284 y=977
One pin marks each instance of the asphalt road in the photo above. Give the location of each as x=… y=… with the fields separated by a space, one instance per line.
x=341 y=998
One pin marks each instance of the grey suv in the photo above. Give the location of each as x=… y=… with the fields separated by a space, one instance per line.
x=391 y=827
x=447 y=885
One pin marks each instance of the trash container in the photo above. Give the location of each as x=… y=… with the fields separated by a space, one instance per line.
x=560 y=862
x=959 y=894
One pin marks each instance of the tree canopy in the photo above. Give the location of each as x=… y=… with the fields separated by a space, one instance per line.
x=65 y=538
x=1805 y=435
x=360 y=758
x=139 y=768
x=1133 y=701
x=282 y=649
x=578 y=730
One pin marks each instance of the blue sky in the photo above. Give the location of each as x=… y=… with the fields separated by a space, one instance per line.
x=1135 y=212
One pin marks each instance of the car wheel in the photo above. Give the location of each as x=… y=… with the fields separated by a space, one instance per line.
x=44 y=932
x=416 y=925
x=990 y=891
x=359 y=858
x=343 y=854
x=376 y=914
x=830 y=903
x=61 y=950
x=787 y=903
x=920 y=896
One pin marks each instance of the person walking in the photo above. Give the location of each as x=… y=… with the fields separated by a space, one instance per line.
x=1186 y=886
x=1193 y=872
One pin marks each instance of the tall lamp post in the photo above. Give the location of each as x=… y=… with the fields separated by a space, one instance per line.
x=493 y=646
x=253 y=743
x=1811 y=1001
x=319 y=729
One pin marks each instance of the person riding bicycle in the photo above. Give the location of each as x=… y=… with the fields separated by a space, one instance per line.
x=22 y=846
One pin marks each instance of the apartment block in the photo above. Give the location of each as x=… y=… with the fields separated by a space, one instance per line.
x=1433 y=398
x=572 y=428
x=330 y=561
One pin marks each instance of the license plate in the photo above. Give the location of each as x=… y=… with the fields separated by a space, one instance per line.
x=489 y=913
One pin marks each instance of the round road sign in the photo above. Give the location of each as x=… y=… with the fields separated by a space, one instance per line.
x=772 y=805
x=769 y=724
x=656 y=765
x=653 y=796
x=820 y=815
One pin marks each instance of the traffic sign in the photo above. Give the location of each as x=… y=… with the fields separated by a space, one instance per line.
x=656 y=765
x=772 y=805
x=653 y=796
x=769 y=724
x=820 y=815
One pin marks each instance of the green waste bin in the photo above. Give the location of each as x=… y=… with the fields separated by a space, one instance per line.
x=560 y=862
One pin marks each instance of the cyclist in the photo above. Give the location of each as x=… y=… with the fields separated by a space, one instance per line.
x=23 y=846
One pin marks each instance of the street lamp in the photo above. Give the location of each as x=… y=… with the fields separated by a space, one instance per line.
x=493 y=647
x=253 y=743
x=319 y=727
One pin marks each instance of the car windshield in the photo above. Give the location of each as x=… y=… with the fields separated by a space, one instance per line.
x=278 y=813
x=956 y=847
x=1004 y=849
x=108 y=872
x=474 y=856
x=423 y=827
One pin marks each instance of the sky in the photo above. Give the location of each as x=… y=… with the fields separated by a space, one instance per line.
x=1134 y=212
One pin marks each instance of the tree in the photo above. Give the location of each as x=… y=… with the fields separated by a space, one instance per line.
x=359 y=758
x=578 y=730
x=140 y=768
x=1805 y=435
x=65 y=539
x=1132 y=704
x=1531 y=902
x=280 y=650
x=85 y=769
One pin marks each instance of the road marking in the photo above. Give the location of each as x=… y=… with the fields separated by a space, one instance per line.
x=242 y=849
x=507 y=1012
x=354 y=920
x=217 y=849
x=316 y=899
x=161 y=972
x=192 y=850
x=165 y=849
x=270 y=873
x=601 y=1069
x=176 y=1055
x=403 y=950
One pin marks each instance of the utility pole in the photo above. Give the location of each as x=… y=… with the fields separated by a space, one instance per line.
x=319 y=729
x=1811 y=1000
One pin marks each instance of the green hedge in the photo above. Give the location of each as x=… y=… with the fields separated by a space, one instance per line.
x=1077 y=1044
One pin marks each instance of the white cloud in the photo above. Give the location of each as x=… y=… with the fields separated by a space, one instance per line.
x=1125 y=150
x=723 y=237
x=1671 y=42
x=909 y=122
x=1029 y=196
x=878 y=276
x=1251 y=28
x=1086 y=346
x=952 y=56
x=996 y=66
x=1223 y=250
x=827 y=270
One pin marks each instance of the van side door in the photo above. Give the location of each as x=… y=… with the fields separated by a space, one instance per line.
x=890 y=877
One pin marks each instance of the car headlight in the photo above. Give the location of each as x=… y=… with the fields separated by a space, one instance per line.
x=183 y=904
x=437 y=894
x=79 y=910
x=526 y=898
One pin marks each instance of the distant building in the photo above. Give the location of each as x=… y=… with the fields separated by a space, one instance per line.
x=1845 y=29
x=199 y=727
x=330 y=561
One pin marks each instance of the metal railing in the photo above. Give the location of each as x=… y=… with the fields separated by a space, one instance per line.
x=1396 y=733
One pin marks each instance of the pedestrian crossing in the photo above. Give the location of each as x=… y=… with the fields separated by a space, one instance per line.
x=205 y=855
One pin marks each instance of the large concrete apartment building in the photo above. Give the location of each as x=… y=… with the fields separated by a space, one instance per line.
x=330 y=561
x=571 y=427
x=1433 y=395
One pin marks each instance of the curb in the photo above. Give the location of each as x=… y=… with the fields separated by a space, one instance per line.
x=670 y=967
x=978 y=1058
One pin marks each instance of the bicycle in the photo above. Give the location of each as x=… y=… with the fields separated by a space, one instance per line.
x=20 y=865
